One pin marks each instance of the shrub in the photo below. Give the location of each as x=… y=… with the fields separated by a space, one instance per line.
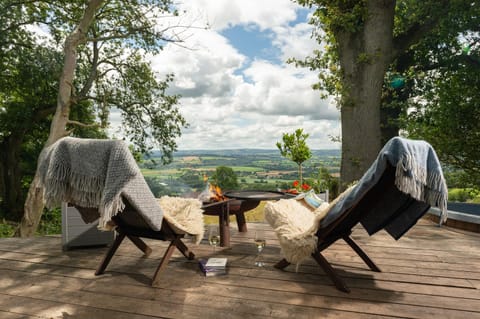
x=6 y=229
x=461 y=194
x=51 y=222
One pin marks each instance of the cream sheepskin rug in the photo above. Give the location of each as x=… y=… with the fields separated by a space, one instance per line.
x=185 y=215
x=295 y=226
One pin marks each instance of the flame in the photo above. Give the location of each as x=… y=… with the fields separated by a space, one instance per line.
x=216 y=194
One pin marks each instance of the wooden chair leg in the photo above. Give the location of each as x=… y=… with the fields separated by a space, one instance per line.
x=184 y=249
x=282 y=264
x=361 y=253
x=339 y=283
x=108 y=256
x=140 y=244
x=163 y=263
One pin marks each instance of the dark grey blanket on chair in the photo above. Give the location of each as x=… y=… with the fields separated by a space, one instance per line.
x=418 y=175
x=100 y=174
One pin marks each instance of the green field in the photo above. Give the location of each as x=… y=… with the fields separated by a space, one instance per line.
x=255 y=169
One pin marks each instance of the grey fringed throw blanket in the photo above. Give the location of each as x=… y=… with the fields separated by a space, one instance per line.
x=418 y=174
x=92 y=173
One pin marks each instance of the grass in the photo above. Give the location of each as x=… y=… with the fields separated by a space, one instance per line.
x=247 y=169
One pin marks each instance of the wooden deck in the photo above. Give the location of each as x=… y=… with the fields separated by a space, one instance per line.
x=431 y=272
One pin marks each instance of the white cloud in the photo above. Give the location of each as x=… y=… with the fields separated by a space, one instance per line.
x=280 y=89
x=206 y=67
x=222 y=14
x=295 y=41
x=235 y=101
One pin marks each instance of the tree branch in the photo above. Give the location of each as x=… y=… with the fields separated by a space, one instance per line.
x=418 y=30
x=77 y=123
x=93 y=72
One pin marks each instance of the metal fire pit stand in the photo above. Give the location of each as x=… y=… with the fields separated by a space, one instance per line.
x=237 y=204
x=223 y=210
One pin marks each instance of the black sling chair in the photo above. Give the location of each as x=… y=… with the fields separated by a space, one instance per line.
x=378 y=200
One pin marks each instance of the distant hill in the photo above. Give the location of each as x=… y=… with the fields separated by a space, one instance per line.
x=262 y=169
x=246 y=152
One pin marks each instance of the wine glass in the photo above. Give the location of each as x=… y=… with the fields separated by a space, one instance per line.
x=260 y=243
x=213 y=237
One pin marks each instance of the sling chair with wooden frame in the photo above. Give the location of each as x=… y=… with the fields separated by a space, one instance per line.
x=103 y=181
x=376 y=201
x=131 y=225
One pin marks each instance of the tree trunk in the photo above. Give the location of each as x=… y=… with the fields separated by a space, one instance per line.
x=300 y=174
x=364 y=57
x=12 y=176
x=34 y=203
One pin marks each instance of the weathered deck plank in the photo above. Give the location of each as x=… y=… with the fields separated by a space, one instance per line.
x=430 y=272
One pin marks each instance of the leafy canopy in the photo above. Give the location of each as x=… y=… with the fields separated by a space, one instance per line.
x=113 y=71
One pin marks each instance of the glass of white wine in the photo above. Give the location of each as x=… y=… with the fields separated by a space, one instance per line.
x=260 y=243
x=213 y=237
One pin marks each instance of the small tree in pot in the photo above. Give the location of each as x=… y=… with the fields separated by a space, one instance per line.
x=295 y=148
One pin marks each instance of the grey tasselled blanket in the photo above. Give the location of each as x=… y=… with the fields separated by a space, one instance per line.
x=95 y=173
x=418 y=174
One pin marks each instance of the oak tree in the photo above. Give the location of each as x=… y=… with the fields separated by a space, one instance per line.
x=360 y=40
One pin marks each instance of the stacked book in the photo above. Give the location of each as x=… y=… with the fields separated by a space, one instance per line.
x=213 y=266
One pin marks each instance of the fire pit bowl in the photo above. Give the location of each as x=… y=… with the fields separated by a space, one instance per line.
x=256 y=195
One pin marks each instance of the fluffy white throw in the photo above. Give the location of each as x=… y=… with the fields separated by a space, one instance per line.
x=185 y=215
x=295 y=226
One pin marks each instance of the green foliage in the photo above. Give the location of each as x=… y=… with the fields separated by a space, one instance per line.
x=225 y=178
x=428 y=45
x=475 y=200
x=111 y=59
x=439 y=98
x=118 y=42
x=364 y=58
x=27 y=99
x=462 y=194
x=192 y=178
x=51 y=222
x=7 y=229
x=295 y=148
x=324 y=181
x=330 y=18
x=28 y=94
x=448 y=117
x=456 y=178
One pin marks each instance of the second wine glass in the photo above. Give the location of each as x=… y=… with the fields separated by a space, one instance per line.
x=213 y=237
x=260 y=243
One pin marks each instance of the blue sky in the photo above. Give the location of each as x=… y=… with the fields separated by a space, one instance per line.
x=237 y=91
x=252 y=42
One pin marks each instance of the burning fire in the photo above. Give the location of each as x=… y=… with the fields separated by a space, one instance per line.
x=216 y=194
x=211 y=193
